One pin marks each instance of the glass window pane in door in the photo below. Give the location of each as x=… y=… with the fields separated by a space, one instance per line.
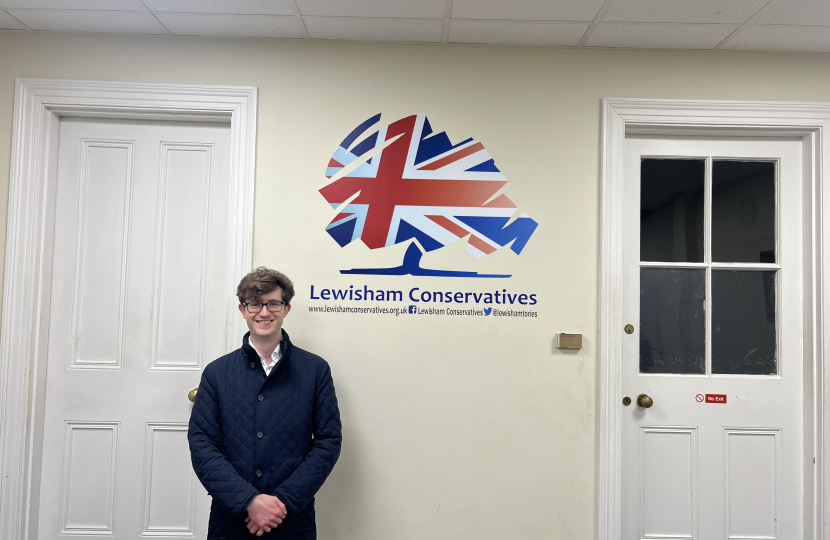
x=672 y=320
x=671 y=210
x=743 y=322
x=743 y=211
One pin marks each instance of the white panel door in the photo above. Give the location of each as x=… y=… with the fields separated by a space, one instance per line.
x=138 y=307
x=714 y=286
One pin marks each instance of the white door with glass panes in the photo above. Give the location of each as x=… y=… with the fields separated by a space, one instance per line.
x=713 y=351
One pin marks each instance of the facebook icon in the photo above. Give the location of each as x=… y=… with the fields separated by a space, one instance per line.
x=413 y=309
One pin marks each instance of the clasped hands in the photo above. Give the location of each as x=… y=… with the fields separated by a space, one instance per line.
x=264 y=513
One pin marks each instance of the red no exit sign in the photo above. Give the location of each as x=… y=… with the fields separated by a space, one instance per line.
x=715 y=398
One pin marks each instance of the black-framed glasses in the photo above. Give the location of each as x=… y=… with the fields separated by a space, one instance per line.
x=256 y=307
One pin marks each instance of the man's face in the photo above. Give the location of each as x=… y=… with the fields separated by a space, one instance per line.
x=265 y=325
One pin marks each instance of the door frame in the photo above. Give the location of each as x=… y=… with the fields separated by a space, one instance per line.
x=811 y=123
x=38 y=106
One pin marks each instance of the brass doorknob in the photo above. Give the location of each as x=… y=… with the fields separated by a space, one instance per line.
x=644 y=401
x=192 y=395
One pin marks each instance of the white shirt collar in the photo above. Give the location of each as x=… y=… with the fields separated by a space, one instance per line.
x=275 y=357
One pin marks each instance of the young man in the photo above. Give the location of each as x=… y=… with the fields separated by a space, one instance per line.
x=265 y=428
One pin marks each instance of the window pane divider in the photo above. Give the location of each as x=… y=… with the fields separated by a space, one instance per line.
x=745 y=266
x=647 y=264
x=714 y=266
x=707 y=258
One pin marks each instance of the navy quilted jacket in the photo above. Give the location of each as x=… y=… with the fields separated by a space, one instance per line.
x=278 y=435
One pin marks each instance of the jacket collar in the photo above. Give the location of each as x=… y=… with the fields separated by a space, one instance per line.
x=253 y=356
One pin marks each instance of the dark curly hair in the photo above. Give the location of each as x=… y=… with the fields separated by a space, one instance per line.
x=262 y=281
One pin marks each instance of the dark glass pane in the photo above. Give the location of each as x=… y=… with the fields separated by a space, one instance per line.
x=743 y=211
x=672 y=321
x=671 y=210
x=743 y=322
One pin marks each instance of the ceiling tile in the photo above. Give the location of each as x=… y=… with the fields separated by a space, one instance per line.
x=7 y=22
x=517 y=32
x=363 y=29
x=659 y=36
x=104 y=5
x=243 y=7
x=806 y=12
x=221 y=25
x=698 y=11
x=782 y=38
x=408 y=9
x=76 y=20
x=527 y=10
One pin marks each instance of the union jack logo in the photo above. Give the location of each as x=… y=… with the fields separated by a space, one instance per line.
x=405 y=182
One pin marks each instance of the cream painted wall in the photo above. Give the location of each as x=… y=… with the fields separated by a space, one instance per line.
x=461 y=428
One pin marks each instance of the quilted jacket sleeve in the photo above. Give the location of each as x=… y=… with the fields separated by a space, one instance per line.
x=216 y=473
x=299 y=488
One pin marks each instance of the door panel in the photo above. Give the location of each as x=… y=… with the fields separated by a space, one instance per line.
x=668 y=474
x=88 y=487
x=137 y=310
x=713 y=286
x=170 y=487
x=751 y=486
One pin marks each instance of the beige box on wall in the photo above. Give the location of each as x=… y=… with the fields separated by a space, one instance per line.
x=569 y=341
